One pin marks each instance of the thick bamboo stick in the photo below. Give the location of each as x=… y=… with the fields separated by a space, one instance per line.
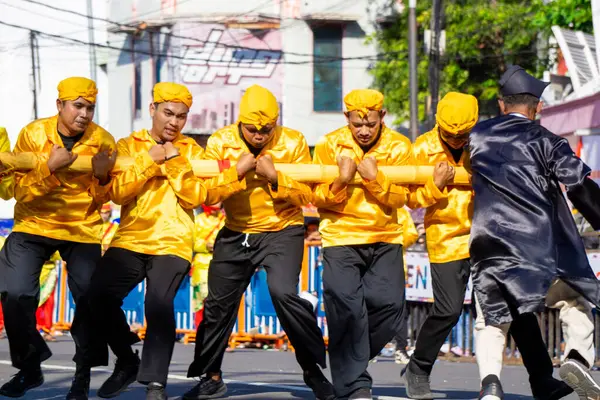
x=408 y=174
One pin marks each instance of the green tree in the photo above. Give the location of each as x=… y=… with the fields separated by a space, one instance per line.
x=482 y=39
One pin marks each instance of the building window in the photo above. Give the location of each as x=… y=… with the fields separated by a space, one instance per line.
x=327 y=68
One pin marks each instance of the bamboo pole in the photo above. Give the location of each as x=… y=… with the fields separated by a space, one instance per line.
x=408 y=174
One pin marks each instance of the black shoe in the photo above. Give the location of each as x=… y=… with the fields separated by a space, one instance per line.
x=577 y=376
x=361 y=394
x=207 y=388
x=156 y=391
x=417 y=386
x=124 y=375
x=491 y=389
x=80 y=387
x=550 y=389
x=22 y=382
x=321 y=387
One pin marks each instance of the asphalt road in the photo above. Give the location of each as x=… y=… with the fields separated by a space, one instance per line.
x=264 y=374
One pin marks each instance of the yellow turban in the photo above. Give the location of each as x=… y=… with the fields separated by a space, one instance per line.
x=258 y=107
x=165 y=92
x=76 y=87
x=363 y=101
x=457 y=113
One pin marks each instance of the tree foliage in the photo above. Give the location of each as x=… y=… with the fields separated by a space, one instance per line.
x=482 y=39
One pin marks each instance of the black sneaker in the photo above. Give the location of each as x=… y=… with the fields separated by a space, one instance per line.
x=124 y=375
x=80 y=387
x=207 y=388
x=321 y=387
x=156 y=391
x=22 y=382
x=577 y=376
x=361 y=394
x=417 y=386
x=550 y=389
x=491 y=389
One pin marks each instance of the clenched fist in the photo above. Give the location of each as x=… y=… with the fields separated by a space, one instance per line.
x=158 y=153
x=443 y=174
x=266 y=168
x=170 y=150
x=102 y=163
x=246 y=163
x=368 y=169
x=60 y=158
x=347 y=168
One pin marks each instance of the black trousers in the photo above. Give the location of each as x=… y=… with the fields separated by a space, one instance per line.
x=118 y=273
x=364 y=302
x=449 y=285
x=21 y=262
x=235 y=260
x=401 y=337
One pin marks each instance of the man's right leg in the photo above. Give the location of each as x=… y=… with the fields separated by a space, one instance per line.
x=21 y=261
x=119 y=271
x=229 y=275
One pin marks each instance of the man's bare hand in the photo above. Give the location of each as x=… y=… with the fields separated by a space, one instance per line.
x=170 y=150
x=60 y=158
x=347 y=168
x=246 y=163
x=443 y=174
x=158 y=153
x=368 y=169
x=266 y=168
x=102 y=164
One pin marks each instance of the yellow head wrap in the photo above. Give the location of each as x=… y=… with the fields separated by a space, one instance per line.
x=258 y=107
x=76 y=87
x=457 y=113
x=363 y=101
x=165 y=92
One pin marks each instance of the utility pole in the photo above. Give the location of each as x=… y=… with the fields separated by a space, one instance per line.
x=412 y=61
x=33 y=71
x=434 y=59
x=92 y=51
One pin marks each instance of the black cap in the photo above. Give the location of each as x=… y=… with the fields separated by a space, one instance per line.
x=517 y=81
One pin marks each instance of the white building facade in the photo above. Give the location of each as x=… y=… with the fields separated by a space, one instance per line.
x=309 y=53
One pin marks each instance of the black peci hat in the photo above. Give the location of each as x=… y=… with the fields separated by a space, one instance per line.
x=517 y=81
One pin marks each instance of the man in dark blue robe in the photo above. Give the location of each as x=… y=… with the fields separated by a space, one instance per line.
x=524 y=242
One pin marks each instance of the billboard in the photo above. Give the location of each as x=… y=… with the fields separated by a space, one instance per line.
x=218 y=63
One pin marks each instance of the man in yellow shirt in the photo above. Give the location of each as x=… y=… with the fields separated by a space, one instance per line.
x=363 y=276
x=158 y=194
x=264 y=227
x=56 y=210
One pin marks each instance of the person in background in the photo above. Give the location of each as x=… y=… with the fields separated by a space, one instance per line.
x=410 y=236
x=208 y=224
x=312 y=229
x=109 y=228
x=45 y=311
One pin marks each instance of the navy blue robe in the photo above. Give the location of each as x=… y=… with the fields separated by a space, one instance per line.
x=523 y=234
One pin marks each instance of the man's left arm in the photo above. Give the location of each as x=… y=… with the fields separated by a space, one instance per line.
x=290 y=190
x=573 y=173
x=103 y=163
x=192 y=191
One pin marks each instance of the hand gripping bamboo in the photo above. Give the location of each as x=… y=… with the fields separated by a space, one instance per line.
x=407 y=174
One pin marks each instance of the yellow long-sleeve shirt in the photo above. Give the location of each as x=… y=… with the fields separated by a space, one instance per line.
x=448 y=221
x=157 y=211
x=366 y=213
x=259 y=208
x=64 y=205
x=7 y=182
x=409 y=230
